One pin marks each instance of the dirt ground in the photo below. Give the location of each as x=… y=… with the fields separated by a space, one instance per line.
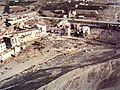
x=67 y=63
x=54 y=56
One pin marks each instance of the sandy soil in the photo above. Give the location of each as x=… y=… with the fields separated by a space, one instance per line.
x=55 y=56
x=103 y=76
x=35 y=55
x=66 y=63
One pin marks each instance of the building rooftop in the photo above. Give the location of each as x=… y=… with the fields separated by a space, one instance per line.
x=1 y=41
x=22 y=31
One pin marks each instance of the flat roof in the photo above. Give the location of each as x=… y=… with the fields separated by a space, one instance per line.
x=1 y=41
x=23 y=31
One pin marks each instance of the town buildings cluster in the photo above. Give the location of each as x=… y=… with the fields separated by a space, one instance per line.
x=13 y=42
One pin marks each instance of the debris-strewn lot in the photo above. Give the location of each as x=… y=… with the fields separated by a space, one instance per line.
x=56 y=58
x=68 y=63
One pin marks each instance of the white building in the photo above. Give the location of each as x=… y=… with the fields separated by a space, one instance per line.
x=41 y=27
x=65 y=23
x=17 y=41
x=7 y=54
x=2 y=46
x=11 y=41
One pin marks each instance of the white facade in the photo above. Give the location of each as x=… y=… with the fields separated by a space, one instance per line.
x=26 y=36
x=18 y=41
x=43 y=28
x=2 y=47
x=6 y=55
x=17 y=49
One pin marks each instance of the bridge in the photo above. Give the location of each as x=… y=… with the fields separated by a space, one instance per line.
x=20 y=3
x=107 y=23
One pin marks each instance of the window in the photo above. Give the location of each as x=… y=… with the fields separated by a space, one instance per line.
x=12 y=40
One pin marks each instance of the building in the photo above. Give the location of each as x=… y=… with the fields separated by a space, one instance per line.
x=25 y=36
x=41 y=27
x=21 y=37
x=10 y=41
x=2 y=46
x=16 y=41
x=66 y=25
x=6 y=54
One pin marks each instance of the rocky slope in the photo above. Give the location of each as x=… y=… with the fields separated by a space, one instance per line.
x=104 y=76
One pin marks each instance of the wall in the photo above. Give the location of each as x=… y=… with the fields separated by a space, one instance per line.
x=19 y=41
x=6 y=54
x=2 y=47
